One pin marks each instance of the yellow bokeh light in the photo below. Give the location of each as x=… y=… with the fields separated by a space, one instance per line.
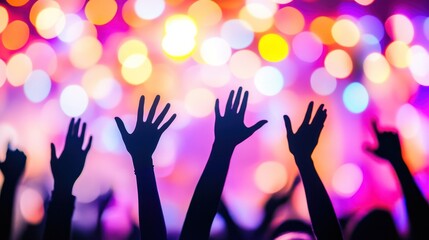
x=178 y=48
x=273 y=48
x=39 y=6
x=85 y=52
x=376 y=68
x=338 y=63
x=205 y=12
x=256 y=24
x=270 y=177
x=181 y=25
x=18 y=68
x=135 y=71
x=131 y=47
x=17 y=3
x=4 y=18
x=15 y=35
x=50 y=22
x=322 y=27
x=100 y=12
x=346 y=33
x=396 y=54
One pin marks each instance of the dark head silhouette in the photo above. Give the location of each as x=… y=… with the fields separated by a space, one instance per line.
x=291 y=229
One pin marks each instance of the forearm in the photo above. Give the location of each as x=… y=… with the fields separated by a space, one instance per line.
x=152 y=224
x=417 y=206
x=59 y=215
x=206 y=198
x=322 y=214
x=7 y=200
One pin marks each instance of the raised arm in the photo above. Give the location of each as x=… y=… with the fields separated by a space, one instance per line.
x=230 y=131
x=65 y=169
x=301 y=145
x=389 y=148
x=12 y=169
x=141 y=144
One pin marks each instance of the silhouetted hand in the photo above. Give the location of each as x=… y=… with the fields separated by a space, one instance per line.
x=388 y=145
x=68 y=167
x=14 y=165
x=141 y=143
x=230 y=129
x=306 y=138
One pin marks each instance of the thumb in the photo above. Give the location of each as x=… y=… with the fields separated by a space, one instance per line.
x=257 y=126
x=369 y=149
x=53 y=152
x=288 y=125
x=121 y=127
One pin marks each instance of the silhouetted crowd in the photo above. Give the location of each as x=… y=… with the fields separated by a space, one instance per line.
x=206 y=202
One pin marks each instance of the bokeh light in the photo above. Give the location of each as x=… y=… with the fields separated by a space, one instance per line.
x=237 y=33
x=355 y=97
x=74 y=100
x=322 y=82
x=346 y=33
x=15 y=36
x=4 y=18
x=371 y=25
x=85 y=52
x=215 y=51
x=244 y=64
x=289 y=20
x=270 y=177
x=338 y=63
x=322 y=27
x=376 y=68
x=199 y=102
x=18 y=68
x=37 y=86
x=136 y=69
x=100 y=12
x=269 y=81
x=307 y=47
x=50 y=22
x=418 y=58
x=400 y=28
x=273 y=48
x=347 y=180
x=31 y=206
x=397 y=53
x=2 y=72
x=149 y=9
x=179 y=41
x=206 y=13
x=408 y=121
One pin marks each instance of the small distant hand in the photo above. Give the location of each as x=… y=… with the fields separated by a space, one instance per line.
x=303 y=142
x=388 y=145
x=142 y=142
x=68 y=167
x=14 y=165
x=230 y=128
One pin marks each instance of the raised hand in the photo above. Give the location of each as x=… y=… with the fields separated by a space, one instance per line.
x=388 y=145
x=14 y=165
x=68 y=167
x=230 y=128
x=12 y=169
x=141 y=143
x=306 y=137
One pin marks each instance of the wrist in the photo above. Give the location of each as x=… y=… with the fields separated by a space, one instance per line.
x=142 y=164
x=223 y=145
x=63 y=188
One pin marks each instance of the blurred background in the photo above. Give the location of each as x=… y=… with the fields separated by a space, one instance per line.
x=363 y=59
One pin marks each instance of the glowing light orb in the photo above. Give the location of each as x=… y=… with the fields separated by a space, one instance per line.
x=37 y=86
x=364 y=2
x=355 y=97
x=396 y=54
x=269 y=81
x=31 y=206
x=400 y=28
x=73 y=100
x=4 y=18
x=257 y=24
x=199 y=102
x=17 y=3
x=43 y=57
x=205 y=13
x=376 y=68
x=136 y=69
x=347 y=180
x=338 y=63
x=270 y=177
x=418 y=59
x=18 y=68
x=322 y=82
x=131 y=47
x=345 y=33
x=149 y=9
x=215 y=76
x=50 y=22
x=322 y=27
x=261 y=9
x=215 y=51
x=15 y=35
x=100 y=12
x=289 y=20
x=408 y=121
x=178 y=48
x=73 y=28
x=179 y=41
x=85 y=52
x=237 y=33
x=2 y=72
x=273 y=48
x=307 y=47
x=180 y=25
x=371 y=25
x=244 y=64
